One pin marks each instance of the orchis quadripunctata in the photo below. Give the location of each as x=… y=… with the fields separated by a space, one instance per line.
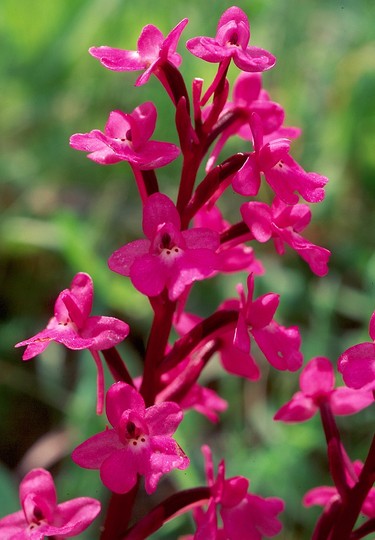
x=189 y=241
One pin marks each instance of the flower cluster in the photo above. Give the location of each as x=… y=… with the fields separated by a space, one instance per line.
x=185 y=242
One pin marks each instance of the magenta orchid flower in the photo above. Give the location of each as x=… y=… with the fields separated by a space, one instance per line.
x=73 y=327
x=282 y=173
x=42 y=517
x=249 y=97
x=280 y=345
x=317 y=383
x=283 y=222
x=245 y=516
x=139 y=443
x=231 y=41
x=231 y=258
x=234 y=360
x=169 y=257
x=327 y=495
x=357 y=364
x=126 y=138
x=153 y=50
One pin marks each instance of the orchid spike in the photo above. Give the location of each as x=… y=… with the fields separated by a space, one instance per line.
x=153 y=50
x=169 y=257
x=42 y=517
x=126 y=138
x=73 y=327
x=317 y=387
x=139 y=442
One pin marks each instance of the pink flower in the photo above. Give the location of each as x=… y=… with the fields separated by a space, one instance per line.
x=280 y=345
x=168 y=257
x=283 y=174
x=231 y=41
x=283 y=222
x=41 y=516
x=317 y=383
x=249 y=97
x=231 y=258
x=357 y=364
x=126 y=138
x=234 y=360
x=245 y=516
x=73 y=327
x=139 y=441
x=152 y=51
x=327 y=495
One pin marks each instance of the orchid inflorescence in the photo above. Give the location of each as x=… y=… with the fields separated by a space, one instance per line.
x=187 y=241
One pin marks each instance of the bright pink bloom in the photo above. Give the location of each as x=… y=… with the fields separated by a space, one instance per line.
x=230 y=257
x=169 y=257
x=234 y=360
x=327 y=495
x=283 y=174
x=231 y=41
x=153 y=50
x=139 y=442
x=283 y=222
x=41 y=516
x=249 y=97
x=245 y=516
x=126 y=138
x=357 y=364
x=73 y=327
x=280 y=345
x=317 y=383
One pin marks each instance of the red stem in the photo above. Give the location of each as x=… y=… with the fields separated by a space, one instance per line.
x=157 y=342
x=206 y=329
x=175 y=504
x=118 y=514
x=351 y=508
x=117 y=366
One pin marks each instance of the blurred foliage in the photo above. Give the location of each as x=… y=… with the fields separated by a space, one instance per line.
x=61 y=213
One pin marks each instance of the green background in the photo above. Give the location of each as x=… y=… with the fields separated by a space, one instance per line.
x=61 y=213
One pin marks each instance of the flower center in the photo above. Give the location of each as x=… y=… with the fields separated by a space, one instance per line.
x=134 y=435
x=37 y=518
x=233 y=39
x=167 y=248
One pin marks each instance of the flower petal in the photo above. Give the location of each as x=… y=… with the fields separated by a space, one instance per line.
x=159 y=209
x=91 y=453
x=163 y=418
x=317 y=379
x=106 y=332
x=120 y=398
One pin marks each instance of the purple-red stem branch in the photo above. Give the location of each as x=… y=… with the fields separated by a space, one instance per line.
x=117 y=366
x=119 y=514
x=157 y=342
